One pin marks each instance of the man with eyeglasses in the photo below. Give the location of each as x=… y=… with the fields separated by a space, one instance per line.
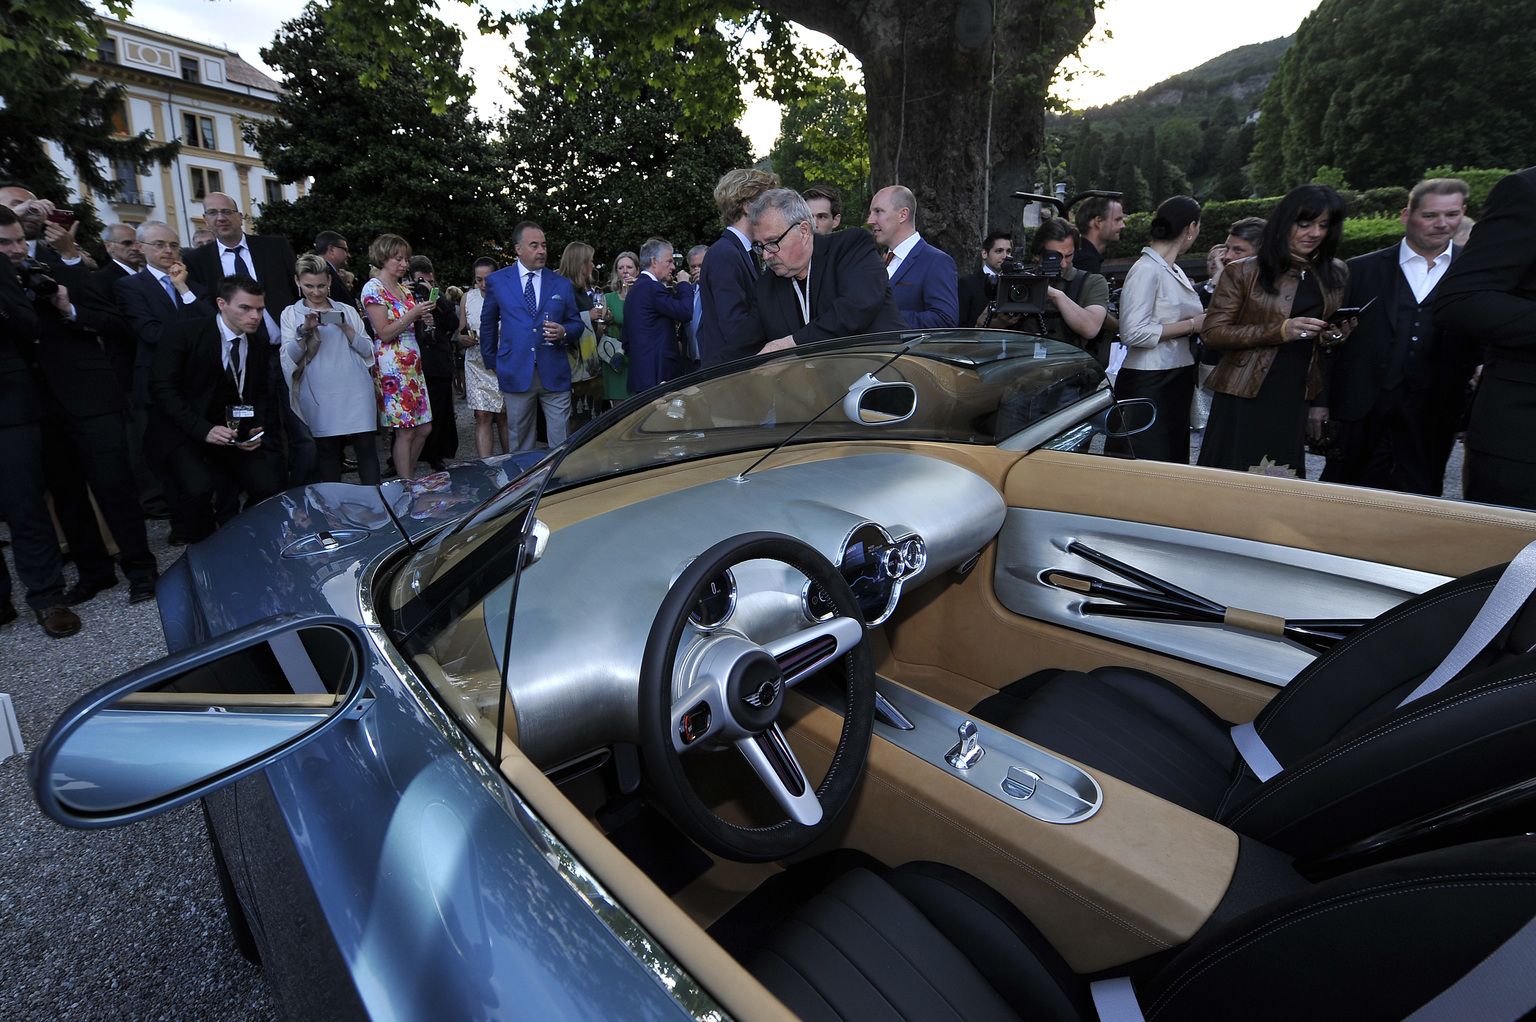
x=333 y=248
x=270 y=261
x=158 y=296
x=822 y=285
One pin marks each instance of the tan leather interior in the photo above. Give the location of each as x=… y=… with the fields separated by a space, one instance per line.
x=1140 y=876
x=735 y=989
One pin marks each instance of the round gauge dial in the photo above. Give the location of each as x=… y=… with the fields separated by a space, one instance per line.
x=718 y=601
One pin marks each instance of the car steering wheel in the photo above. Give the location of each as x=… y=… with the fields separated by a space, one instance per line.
x=728 y=690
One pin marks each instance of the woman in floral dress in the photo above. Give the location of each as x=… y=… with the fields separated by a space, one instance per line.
x=395 y=315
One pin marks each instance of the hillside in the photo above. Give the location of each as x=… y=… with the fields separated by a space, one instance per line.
x=1190 y=133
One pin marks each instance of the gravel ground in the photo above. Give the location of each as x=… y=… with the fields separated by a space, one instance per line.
x=126 y=923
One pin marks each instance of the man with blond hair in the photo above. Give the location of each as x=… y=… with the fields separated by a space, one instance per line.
x=729 y=270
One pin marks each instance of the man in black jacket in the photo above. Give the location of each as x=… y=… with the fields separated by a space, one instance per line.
x=822 y=285
x=730 y=269
x=1489 y=294
x=979 y=289
x=209 y=385
x=1398 y=386
x=83 y=431
x=333 y=248
x=270 y=262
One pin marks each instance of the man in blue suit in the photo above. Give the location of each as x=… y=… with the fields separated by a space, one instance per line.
x=651 y=316
x=923 y=278
x=730 y=270
x=528 y=318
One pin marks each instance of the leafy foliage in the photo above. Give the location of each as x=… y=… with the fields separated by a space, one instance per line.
x=823 y=140
x=612 y=167
x=39 y=45
x=381 y=158
x=1383 y=88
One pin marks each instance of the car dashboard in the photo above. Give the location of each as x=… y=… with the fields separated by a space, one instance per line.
x=889 y=521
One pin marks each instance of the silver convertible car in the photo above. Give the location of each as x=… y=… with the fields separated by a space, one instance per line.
x=850 y=682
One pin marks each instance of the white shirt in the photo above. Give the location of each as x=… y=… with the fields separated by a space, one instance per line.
x=1422 y=274
x=161 y=277
x=523 y=273
x=230 y=339
x=227 y=264
x=988 y=271
x=126 y=268
x=746 y=242
x=901 y=252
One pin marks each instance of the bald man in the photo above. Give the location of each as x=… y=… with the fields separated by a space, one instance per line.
x=923 y=278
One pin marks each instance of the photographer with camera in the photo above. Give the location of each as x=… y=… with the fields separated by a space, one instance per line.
x=50 y=231
x=1051 y=297
x=328 y=360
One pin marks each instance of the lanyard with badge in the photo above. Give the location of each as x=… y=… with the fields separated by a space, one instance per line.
x=805 y=299
x=237 y=416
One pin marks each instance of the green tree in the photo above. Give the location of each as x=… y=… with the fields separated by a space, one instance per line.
x=381 y=160
x=612 y=169
x=40 y=44
x=1383 y=88
x=822 y=139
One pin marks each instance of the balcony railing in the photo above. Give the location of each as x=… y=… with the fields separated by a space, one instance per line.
x=134 y=197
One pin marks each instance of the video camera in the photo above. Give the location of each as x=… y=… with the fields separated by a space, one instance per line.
x=36 y=280
x=1021 y=287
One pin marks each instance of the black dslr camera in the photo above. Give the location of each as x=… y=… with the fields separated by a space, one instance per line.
x=1021 y=287
x=36 y=280
x=421 y=290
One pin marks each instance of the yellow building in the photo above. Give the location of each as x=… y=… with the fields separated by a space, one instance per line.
x=200 y=94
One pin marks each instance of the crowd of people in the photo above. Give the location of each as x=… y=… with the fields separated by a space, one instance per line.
x=183 y=383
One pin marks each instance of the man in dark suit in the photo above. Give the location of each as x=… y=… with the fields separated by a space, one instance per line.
x=333 y=248
x=822 y=285
x=1489 y=295
x=270 y=262
x=1398 y=386
x=730 y=269
x=978 y=289
x=923 y=278
x=652 y=315
x=208 y=373
x=35 y=546
x=528 y=318
x=47 y=241
x=84 y=436
x=127 y=258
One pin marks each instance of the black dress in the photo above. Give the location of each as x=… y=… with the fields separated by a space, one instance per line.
x=1272 y=424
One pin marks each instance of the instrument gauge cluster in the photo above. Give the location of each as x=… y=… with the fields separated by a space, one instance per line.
x=874 y=566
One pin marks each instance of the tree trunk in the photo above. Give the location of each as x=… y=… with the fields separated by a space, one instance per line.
x=928 y=79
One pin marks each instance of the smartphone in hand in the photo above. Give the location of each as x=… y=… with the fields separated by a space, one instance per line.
x=332 y=316
x=63 y=217
x=1340 y=315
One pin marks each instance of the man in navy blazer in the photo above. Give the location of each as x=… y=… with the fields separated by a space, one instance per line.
x=528 y=318
x=730 y=270
x=651 y=317
x=1398 y=386
x=923 y=278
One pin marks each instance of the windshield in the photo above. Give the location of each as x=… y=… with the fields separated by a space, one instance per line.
x=973 y=386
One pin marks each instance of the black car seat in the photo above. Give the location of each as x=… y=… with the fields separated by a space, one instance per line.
x=1351 y=761
x=926 y=942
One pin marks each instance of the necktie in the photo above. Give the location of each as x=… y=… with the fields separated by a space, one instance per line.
x=891 y=254
x=170 y=289
x=528 y=295
x=234 y=362
x=242 y=268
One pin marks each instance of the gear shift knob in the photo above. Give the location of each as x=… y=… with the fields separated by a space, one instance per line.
x=968 y=750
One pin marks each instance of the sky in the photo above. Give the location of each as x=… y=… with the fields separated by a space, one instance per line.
x=1152 y=39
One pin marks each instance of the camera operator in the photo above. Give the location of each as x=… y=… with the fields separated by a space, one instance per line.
x=50 y=231
x=1076 y=302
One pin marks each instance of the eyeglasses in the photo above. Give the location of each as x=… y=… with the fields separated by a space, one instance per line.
x=770 y=247
x=210 y=213
x=161 y=244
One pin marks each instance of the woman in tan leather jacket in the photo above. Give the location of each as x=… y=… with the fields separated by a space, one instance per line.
x=1269 y=319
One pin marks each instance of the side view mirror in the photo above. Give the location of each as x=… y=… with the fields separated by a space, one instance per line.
x=183 y=726
x=1126 y=417
x=874 y=403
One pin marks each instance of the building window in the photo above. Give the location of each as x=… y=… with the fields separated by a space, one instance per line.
x=106 y=50
x=119 y=117
x=197 y=132
x=190 y=69
x=273 y=188
x=204 y=181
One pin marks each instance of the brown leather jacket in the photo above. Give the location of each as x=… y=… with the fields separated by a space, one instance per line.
x=1245 y=320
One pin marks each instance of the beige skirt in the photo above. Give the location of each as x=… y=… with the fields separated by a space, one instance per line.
x=481 y=389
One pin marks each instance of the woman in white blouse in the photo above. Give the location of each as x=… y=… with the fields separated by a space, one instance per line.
x=329 y=369
x=1160 y=313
